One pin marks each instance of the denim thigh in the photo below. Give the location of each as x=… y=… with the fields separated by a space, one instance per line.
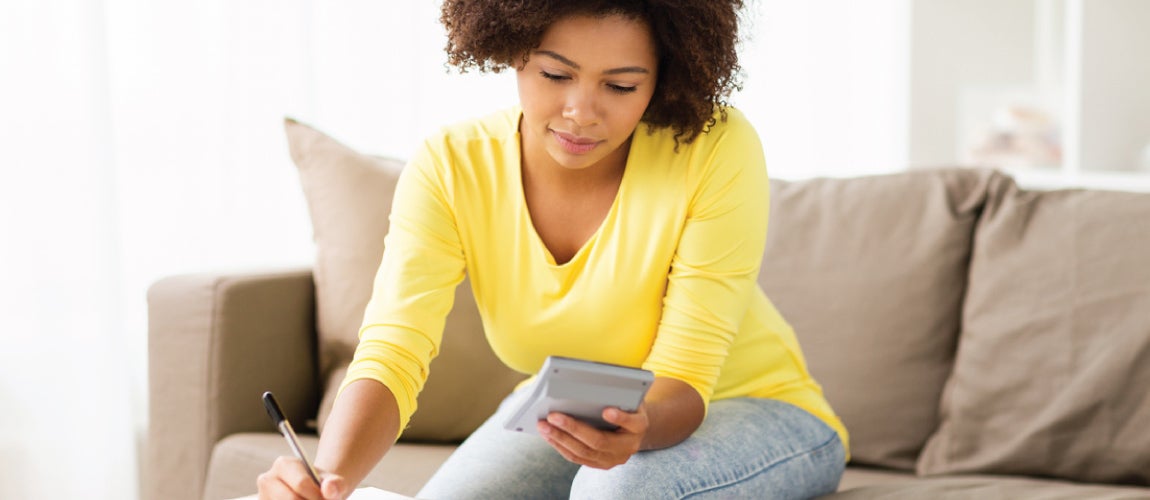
x=497 y=463
x=746 y=448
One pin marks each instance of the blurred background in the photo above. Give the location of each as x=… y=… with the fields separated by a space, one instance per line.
x=144 y=138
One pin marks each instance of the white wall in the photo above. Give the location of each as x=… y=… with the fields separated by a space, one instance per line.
x=1052 y=91
x=1114 y=89
x=825 y=81
x=67 y=367
x=826 y=85
x=956 y=46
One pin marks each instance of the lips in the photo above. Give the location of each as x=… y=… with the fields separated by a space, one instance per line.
x=574 y=144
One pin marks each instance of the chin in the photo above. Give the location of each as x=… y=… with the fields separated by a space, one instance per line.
x=581 y=163
x=570 y=164
x=574 y=162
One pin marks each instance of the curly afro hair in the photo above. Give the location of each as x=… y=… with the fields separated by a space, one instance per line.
x=695 y=39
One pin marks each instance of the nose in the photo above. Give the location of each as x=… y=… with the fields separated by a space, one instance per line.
x=581 y=106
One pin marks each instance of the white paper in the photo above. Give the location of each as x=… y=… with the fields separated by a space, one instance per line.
x=365 y=493
x=370 y=493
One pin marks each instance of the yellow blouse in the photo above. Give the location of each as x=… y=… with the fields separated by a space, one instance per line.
x=668 y=282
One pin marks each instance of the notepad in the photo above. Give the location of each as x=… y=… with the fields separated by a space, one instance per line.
x=370 y=493
x=365 y=493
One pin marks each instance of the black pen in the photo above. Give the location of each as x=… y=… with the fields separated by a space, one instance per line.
x=284 y=426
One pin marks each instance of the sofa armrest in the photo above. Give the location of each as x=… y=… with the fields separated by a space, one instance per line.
x=215 y=343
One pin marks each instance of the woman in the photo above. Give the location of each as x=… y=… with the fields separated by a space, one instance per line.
x=619 y=215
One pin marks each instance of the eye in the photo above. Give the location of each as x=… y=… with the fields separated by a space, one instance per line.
x=553 y=76
x=622 y=89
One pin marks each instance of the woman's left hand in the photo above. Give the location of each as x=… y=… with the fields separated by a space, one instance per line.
x=583 y=444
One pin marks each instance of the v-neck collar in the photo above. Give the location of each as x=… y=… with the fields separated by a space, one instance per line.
x=608 y=220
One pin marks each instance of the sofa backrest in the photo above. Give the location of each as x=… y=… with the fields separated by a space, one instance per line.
x=871 y=273
x=1052 y=374
x=960 y=324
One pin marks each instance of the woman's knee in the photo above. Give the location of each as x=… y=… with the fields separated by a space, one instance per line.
x=811 y=474
x=621 y=482
x=749 y=449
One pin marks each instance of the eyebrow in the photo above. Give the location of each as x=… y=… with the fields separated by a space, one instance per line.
x=573 y=64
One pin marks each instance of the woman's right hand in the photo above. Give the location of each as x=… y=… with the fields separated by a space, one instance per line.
x=288 y=480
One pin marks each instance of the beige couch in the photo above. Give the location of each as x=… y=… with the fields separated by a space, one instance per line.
x=978 y=340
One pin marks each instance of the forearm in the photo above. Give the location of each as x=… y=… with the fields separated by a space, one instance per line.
x=674 y=410
x=361 y=429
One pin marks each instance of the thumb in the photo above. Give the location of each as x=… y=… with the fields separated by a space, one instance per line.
x=333 y=487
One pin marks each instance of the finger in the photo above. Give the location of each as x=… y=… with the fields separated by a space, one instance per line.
x=577 y=453
x=271 y=488
x=333 y=487
x=591 y=445
x=558 y=439
x=292 y=472
x=579 y=436
x=569 y=456
x=635 y=423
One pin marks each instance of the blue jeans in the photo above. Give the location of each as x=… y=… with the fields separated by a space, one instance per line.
x=746 y=448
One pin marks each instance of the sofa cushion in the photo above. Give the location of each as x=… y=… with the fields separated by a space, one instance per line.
x=870 y=272
x=860 y=476
x=1053 y=366
x=349 y=197
x=986 y=488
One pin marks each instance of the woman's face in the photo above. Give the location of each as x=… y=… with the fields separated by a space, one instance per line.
x=585 y=88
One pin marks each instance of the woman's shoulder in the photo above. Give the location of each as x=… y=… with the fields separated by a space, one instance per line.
x=499 y=126
x=727 y=147
x=728 y=124
x=474 y=148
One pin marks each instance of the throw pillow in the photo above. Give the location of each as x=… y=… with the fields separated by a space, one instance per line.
x=870 y=272
x=1053 y=364
x=349 y=197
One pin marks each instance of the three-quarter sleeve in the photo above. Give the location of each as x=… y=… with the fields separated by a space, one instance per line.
x=714 y=269
x=422 y=264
